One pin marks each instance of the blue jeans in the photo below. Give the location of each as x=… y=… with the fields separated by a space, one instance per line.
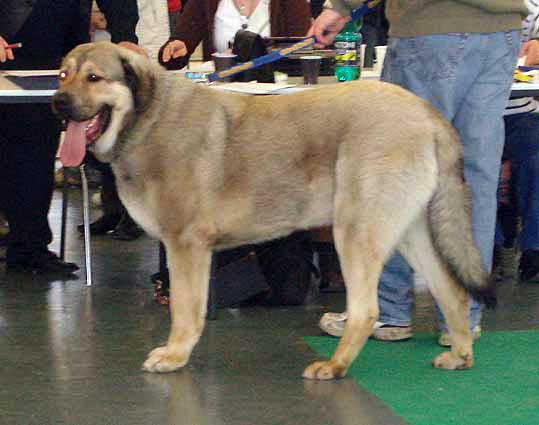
x=467 y=77
x=522 y=149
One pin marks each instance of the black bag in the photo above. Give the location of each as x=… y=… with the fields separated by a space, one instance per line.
x=247 y=46
x=278 y=272
x=288 y=267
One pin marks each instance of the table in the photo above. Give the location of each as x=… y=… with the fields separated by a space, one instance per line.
x=524 y=90
x=19 y=88
x=41 y=89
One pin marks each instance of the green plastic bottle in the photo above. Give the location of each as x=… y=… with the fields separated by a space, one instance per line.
x=347 y=52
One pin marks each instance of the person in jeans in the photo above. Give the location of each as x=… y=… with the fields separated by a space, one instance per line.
x=460 y=56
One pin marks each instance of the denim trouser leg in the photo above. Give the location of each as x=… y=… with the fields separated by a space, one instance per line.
x=467 y=77
x=395 y=296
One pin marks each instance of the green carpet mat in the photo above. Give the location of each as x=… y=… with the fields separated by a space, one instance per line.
x=501 y=389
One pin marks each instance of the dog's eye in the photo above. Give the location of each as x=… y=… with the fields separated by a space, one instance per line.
x=93 y=78
x=62 y=76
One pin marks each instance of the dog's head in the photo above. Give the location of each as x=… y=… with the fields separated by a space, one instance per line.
x=102 y=88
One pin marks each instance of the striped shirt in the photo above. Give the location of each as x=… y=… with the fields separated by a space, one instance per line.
x=530 y=29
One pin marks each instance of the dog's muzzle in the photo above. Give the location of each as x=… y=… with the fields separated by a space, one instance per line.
x=62 y=104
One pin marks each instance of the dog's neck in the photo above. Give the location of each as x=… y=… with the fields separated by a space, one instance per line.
x=138 y=124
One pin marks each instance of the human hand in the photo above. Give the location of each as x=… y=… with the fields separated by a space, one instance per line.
x=5 y=54
x=530 y=49
x=326 y=27
x=98 y=21
x=174 y=49
x=133 y=47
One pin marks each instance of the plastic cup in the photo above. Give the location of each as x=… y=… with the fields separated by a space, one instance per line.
x=380 y=52
x=362 y=49
x=310 y=66
x=224 y=61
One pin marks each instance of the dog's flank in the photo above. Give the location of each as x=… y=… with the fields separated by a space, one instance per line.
x=201 y=169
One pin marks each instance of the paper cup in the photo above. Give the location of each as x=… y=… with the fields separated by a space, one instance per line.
x=224 y=61
x=380 y=52
x=310 y=66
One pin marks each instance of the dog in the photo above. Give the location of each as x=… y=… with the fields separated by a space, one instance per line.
x=204 y=170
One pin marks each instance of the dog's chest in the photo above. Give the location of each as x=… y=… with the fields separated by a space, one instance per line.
x=135 y=200
x=140 y=212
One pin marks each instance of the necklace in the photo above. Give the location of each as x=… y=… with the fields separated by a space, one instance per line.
x=243 y=10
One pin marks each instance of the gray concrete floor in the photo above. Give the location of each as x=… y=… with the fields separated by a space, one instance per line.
x=70 y=354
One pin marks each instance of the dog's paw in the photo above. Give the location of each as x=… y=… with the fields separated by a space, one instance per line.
x=324 y=371
x=450 y=360
x=162 y=359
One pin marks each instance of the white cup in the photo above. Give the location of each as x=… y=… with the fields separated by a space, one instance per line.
x=380 y=52
x=362 y=56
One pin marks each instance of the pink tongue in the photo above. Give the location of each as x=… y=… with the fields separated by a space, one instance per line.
x=74 y=146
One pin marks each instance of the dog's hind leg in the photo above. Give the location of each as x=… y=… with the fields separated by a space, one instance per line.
x=367 y=227
x=418 y=249
x=189 y=268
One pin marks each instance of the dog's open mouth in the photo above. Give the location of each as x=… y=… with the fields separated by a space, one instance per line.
x=80 y=134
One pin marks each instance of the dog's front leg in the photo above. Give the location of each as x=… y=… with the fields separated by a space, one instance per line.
x=189 y=268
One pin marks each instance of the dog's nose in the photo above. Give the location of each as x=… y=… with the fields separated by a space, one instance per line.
x=61 y=103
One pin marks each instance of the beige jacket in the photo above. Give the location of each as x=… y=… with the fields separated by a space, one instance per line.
x=408 y=18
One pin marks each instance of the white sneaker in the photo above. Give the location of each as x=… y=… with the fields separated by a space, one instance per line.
x=384 y=332
x=445 y=339
x=333 y=324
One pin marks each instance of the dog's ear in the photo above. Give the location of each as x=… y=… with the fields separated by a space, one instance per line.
x=139 y=76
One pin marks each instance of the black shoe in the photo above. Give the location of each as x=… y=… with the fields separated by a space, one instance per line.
x=41 y=262
x=127 y=229
x=102 y=225
x=529 y=266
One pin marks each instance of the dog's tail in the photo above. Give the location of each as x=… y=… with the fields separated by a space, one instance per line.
x=451 y=224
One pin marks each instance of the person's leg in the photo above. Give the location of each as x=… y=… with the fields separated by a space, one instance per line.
x=481 y=128
x=507 y=215
x=28 y=156
x=523 y=143
x=28 y=168
x=416 y=64
x=111 y=205
x=395 y=292
x=507 y=219
x=467 y=78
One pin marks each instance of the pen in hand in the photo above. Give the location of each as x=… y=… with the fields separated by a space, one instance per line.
x=6 y=50
x=13 y=46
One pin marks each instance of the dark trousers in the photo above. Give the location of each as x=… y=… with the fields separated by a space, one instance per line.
x=29 y=137
x=111 y=203
x=522 y=150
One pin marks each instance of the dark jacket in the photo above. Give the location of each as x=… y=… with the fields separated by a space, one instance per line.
x=287 y=18
x=49 y=29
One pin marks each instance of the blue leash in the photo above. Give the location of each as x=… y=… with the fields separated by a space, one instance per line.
x=281 y=53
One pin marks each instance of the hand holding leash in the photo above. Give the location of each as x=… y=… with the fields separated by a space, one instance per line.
x=328 y=24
